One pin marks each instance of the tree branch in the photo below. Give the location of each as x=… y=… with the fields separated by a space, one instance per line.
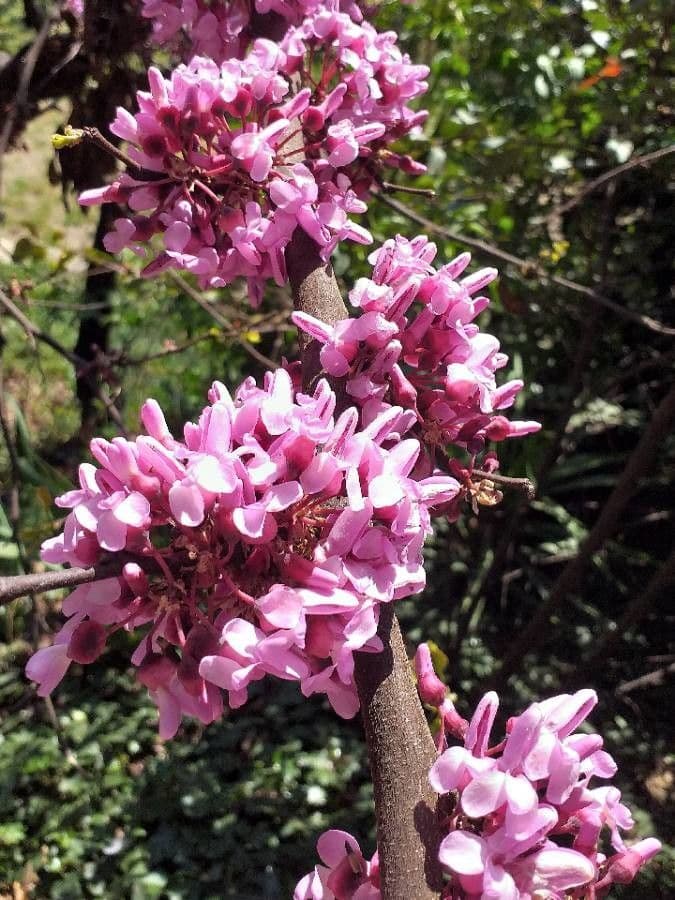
x=35 y=333
x=529 y=267
x=590 y=187
x=400 y=746
x=633 y=613
x=224 y=323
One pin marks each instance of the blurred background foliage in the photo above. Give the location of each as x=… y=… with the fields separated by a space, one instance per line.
x=529 y=102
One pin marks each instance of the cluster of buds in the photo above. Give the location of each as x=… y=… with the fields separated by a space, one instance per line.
x=263 y=543
x=524 y=820
x=227 y=161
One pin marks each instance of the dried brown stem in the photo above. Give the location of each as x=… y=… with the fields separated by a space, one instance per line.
x=390 y=188
x=519 y=484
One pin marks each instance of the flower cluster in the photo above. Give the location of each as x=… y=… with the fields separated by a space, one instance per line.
x=523 y=820
x=416 y=345
x=228 y=160
x=220 y=177
x=345 y=873
x=221 y=29
x=263 y=543
x=363 y=79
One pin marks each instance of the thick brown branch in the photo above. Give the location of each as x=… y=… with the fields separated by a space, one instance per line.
x=400 y=746
x=401 y=752
x=315 y=291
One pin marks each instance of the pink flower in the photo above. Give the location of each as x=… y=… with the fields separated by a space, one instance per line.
x=345 y=875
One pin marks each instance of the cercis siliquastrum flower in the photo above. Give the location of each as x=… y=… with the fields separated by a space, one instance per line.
x=221 y=29
x=416 y=344
x=523 y=817
x=263 y=543
x=522 y=820
x=229 y=159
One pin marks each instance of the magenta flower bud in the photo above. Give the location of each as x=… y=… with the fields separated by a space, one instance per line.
x=624 y=866
x=154 y=421
x=453 y=723
x=87 y=642
x=431 y=688
x=136 y=578
x=313 y=118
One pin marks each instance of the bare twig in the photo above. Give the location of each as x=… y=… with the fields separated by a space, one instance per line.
x=29 y=64
x=519 y=484
x=590 y=187
x=634 y=612
x=651 y=679
x=224 y=323
x=13 y=586
x=35 y=333
x=390 y=188
x=127 y=361
x=639 y=463
x=528 y=267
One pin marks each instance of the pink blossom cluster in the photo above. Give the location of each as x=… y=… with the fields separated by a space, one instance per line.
x=416 y=345
x=263 y=543
x=221 y=29
x=229 y=161
x=523 y=820
x=363 y=78
x=220 y=177
x=344 y=874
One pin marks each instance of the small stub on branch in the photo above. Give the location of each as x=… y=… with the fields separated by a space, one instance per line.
x=70 y=138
